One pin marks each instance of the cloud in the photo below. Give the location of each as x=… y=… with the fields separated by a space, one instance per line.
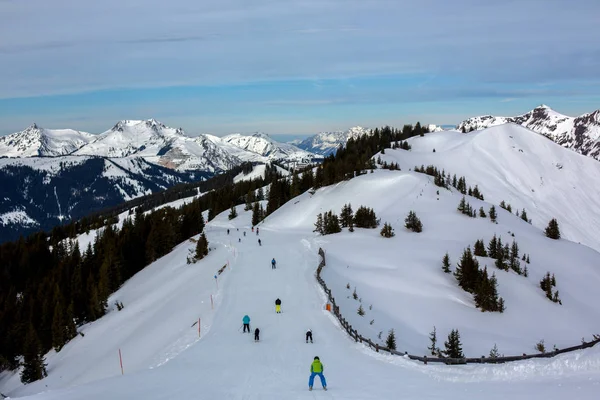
x=70 y=46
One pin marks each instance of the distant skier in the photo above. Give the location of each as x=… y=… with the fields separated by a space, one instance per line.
x=278 y=306
x=257 y=230
x=256 y=332
x=259 y=242
x=273 y=264
x=246 y=322
x=228 y=231
x=244 y=233
x=309 y=335
x=316 y=368
x=240 y=240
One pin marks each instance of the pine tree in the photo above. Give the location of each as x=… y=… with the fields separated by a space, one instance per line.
x=58 y=325
x=413 y=222
x=482 y=212
x=515 y=265
x=492 y=213
x=492 y=247
x=446 y=263
x=479 y=249
x=390 y=341
x=433 y=339
x=462 y=206
x=256 y=215
x=232 y=212
x=494 y=353
x=525 y=272
x=387 y=230
x=34 y=367
x=346 y=215
x=360 y=310
x=201 y=247
x=453 y=345
x=466 y=271
x=553 y=231
x=319 y=224
x=524 y=216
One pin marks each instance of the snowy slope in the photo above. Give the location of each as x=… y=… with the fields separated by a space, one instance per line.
x=581 y=133
x=258 y=171
x=36 y=141
x=163 y=358
x=516 y=165
x=325 y=143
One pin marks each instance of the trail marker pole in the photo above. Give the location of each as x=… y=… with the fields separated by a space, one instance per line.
x=121 y=361
x=198 y=326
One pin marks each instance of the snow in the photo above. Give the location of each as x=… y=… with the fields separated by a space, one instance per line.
x=580 y=134
x=526 y=170
x=325 y=143
x=258 y=171
x=17 y=217
x=35 y=141
x=401 y=277
x=52 y=165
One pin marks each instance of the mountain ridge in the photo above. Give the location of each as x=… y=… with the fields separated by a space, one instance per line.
x=581 y=133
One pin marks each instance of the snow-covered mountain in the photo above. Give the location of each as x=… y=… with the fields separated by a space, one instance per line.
x=36 y=141
x=38 y=193
x=155 y=142
x=326 y=143
x=581 y=133
x=266 y=148
x=160 y=144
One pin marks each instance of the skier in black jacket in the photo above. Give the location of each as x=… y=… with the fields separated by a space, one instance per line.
x=256 y=332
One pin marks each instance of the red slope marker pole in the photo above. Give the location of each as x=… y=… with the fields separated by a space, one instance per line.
x=121 y=361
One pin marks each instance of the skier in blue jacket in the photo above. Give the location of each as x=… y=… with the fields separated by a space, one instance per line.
x=273 y=264
x=246 y=322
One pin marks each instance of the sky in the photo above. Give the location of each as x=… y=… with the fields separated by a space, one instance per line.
x=292 y=67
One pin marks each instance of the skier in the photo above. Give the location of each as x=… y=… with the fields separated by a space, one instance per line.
x=316 y=368
x=309 y=335
x=278 y=306
x=259 y=242
x=244 y=233
x=239 y=240
x=273 y=264
x=228 y=231
x=246 y=322
x=257 y=230
x=256 y=332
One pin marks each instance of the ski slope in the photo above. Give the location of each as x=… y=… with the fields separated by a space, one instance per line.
x=163 y=357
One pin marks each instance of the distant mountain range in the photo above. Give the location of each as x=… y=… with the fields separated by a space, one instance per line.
x=155 y=142
x=581 y=134
x=52 y=175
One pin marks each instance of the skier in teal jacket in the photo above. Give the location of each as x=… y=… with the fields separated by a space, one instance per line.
x=246 y=322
